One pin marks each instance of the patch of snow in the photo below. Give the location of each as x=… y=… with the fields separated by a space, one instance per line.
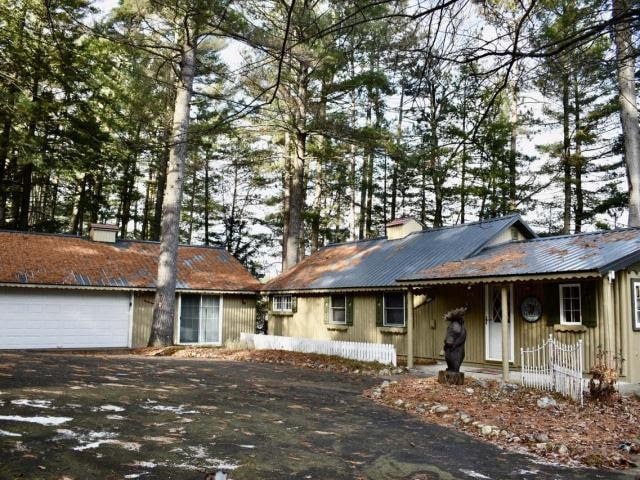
x=527 y=472
x=116 y=417
x=144 y=464
x=474 y=474
x=131 y=446
x=179 y=410
x=40 y=420
x=25 y=402
x=136 y=475
x=247 y=446
x=4 y=433
x=198 y=451
x=110 y=408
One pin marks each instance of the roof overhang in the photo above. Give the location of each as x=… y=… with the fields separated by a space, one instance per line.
x=502 y=279
x=125 y=289
x=320 y=291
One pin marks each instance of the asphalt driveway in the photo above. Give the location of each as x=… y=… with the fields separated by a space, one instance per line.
x=68 y=417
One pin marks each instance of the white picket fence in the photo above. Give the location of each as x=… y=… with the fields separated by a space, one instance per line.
x=367 y=352
x=554 y=366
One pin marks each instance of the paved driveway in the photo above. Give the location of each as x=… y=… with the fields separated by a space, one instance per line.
x=86 y=417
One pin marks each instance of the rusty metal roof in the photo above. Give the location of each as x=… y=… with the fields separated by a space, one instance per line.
x=378 y=263
x=33 y=259
x=596 y=252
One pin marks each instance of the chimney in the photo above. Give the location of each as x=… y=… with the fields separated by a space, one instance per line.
x=401 y=227
x=103 y=232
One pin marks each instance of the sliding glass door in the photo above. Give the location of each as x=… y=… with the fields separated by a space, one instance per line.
x=200 y=319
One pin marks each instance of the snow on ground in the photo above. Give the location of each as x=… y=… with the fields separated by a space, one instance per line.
x=474 y=474
x=40 y=420
x=109 y=408
x=4 y=433
x=25 y=402
x=179 y=410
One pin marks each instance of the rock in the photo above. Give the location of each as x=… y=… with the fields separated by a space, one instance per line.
x=546 y=402
x=356 y=371
x=542 y=438
x=439 y=409
x=384 y=372
x=376 y=393
x=466 y=419
x=469 y=390
x=486 y=430
x=398 y=371
x=515 y=439
x=385 y=384
x=420 y=410
x=476 y=423
x=399 y=403
x=504 y=433
x=541 y=446
x=563 y=450
x=510 y=387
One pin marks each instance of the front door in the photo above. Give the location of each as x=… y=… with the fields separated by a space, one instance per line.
x=493 y=323
x=199 y=319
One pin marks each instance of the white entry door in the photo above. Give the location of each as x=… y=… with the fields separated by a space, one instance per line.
x=493 y=319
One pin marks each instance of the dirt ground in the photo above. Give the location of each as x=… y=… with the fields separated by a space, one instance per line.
x=76 y=417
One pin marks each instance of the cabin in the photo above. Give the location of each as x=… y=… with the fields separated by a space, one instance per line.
x=63 y=291
x=517 y=288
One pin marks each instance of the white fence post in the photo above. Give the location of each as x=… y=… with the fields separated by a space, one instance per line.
x=367 y=352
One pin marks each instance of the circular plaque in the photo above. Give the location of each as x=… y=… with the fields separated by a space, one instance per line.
x=531 y=309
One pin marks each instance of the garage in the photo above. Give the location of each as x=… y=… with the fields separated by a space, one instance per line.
x=48 y=318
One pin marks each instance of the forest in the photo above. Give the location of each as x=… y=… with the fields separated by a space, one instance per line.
x=274 y=127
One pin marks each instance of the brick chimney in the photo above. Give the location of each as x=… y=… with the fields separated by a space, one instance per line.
x=103 y=232
x=401 y=227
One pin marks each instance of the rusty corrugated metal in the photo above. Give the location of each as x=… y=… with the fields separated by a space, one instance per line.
x=38 y=259
x=587 y=252
x=379 y=262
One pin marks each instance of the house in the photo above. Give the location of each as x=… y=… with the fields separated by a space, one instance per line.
x=62 y=291
x=397 y=289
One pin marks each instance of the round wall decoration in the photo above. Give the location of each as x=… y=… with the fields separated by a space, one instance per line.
x=531 y=309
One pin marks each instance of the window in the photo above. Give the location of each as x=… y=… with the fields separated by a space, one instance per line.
x=199 y=319
x=570 y=308
x=393 y=310
x=636 y=305
x=338 y=309
x=282 y=303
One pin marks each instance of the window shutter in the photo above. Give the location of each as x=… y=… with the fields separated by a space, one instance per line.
x=327 y=310
x=379 y=311
x=349 y=310
x=589 y=311
x=294 y=304
x=552 y=303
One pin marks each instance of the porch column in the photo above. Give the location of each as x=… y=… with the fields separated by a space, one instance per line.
x=409 y=329
x=506 y=350
x=609 y=314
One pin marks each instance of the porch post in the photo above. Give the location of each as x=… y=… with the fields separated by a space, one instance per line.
x=409 y=328
x=506 y=350
x=608 y=310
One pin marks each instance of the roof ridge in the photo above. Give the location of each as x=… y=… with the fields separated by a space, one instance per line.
x=574 y=235
x=426 y=230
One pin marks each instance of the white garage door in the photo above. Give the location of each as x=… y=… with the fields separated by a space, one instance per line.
x=31 y=318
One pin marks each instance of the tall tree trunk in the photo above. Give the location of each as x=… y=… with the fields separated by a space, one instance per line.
x=578 y=166
x=161 y=184
x=364 y=181
x=164 y=305
x=397 y=158
x=566 y=157
x=513 y=148
x=296 y=201
x=78 y=208
x=625 y=56
x=206 y=202
x=286 y=200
